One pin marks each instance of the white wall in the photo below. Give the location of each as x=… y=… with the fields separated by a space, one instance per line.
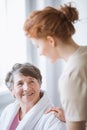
x=81 y=26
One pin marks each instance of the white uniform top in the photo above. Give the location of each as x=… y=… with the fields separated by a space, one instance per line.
x=73 y=86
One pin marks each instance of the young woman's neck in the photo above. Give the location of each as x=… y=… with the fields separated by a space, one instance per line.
x=67 y=48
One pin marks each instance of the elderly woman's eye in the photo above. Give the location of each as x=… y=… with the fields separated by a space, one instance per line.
x=32 y=81
x=20 y=84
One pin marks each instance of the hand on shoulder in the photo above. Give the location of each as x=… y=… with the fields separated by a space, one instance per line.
x=58 y=112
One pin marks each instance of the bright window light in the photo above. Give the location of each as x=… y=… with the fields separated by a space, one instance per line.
x=12 y=38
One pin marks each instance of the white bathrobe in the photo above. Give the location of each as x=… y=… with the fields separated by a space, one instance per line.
x=35 y=119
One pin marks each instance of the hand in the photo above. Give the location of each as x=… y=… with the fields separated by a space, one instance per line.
x=58 y=112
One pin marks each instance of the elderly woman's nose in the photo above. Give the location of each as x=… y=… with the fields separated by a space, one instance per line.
x=25 y=86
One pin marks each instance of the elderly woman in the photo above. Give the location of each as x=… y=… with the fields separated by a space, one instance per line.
x=28 y=111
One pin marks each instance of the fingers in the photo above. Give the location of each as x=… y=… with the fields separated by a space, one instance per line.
x=58 y=112
x=49 y=110
x=60 y=116
x=55 y=109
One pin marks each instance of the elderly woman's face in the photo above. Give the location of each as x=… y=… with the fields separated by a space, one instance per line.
x=26 y=89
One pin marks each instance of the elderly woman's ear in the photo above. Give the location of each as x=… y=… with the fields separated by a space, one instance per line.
x=12 y=91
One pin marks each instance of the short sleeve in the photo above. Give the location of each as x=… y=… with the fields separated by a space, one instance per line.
x=73 y=92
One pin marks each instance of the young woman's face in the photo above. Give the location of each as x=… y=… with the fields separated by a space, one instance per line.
x=26 y=89
x=45 y=48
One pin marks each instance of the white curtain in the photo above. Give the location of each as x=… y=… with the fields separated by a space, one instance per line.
x=12 y=39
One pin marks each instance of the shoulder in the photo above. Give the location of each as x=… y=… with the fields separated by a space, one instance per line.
x=8 y=108
x=74 y=79
x=50 y=122
x=73 y=83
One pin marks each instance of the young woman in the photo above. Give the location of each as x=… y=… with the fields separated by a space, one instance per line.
x=51 y=30
x=28 y=111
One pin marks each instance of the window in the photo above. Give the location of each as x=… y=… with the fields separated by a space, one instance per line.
x=12 y=38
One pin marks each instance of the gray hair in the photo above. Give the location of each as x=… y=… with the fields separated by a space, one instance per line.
x=26 y=69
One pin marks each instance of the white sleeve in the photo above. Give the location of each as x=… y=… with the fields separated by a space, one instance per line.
x=74 y=95
x=2 y=119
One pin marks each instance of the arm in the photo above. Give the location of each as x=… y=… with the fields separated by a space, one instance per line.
x=74 y=98
x=76 y=125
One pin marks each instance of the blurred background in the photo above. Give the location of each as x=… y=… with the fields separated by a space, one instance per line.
x=16 y=48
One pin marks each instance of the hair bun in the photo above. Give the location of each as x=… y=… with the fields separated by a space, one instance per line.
x=70 y=12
